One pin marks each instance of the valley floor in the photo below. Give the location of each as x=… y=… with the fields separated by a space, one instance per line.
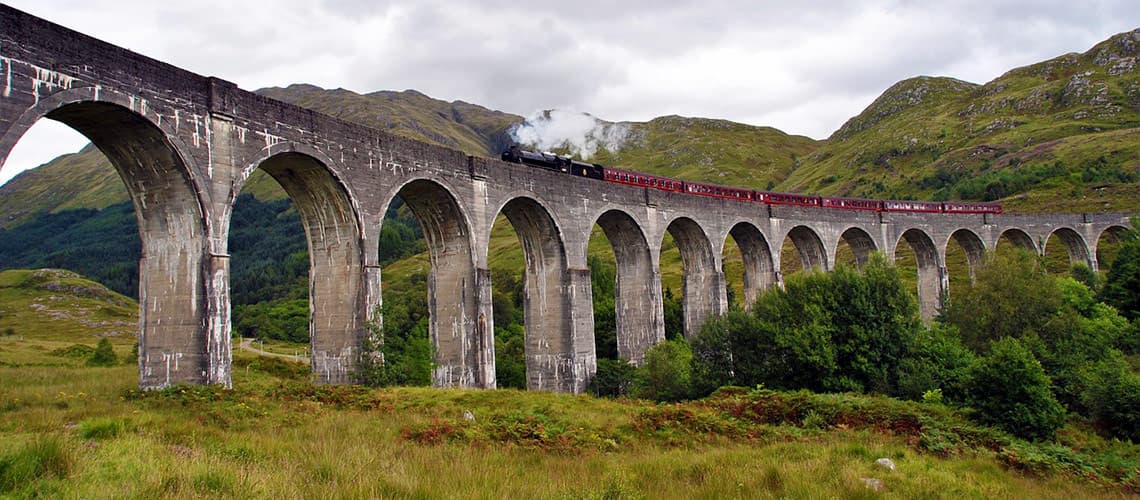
x=69 y=430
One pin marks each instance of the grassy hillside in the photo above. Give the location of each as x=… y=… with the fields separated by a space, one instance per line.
x=469 y=128
x=717 y=151
x=56 y=305
x=1058 y=135
x=53 y=188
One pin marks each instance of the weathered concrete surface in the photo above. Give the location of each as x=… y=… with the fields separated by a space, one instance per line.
x=185 y=145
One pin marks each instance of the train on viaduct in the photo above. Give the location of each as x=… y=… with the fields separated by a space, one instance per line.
x=184 y=146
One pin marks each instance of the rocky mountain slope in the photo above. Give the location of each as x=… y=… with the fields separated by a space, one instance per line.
x=1059 y=135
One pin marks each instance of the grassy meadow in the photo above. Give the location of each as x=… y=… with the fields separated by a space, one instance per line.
x=72 y=430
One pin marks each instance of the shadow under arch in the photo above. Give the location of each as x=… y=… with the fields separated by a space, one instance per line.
x=930 y=276
x=332 y=232
x=1019 y=239
x=1075 y=245
x=861 y=243
x=975 y=249
x=1106 y=253
x=702 y=283
x=759 y=270
x=554 y=360
x=809 y=248
x=639 y=314
x=460 y=332
x=183 y=337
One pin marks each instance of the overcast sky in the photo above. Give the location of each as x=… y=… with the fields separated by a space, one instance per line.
x=802 y=68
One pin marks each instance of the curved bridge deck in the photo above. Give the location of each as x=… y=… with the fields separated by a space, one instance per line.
x=185 y=145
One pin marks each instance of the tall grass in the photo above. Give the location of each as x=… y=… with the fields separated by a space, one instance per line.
x=85 y=432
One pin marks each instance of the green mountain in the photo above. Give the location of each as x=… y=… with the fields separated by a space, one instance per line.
x=692 y=148
x=51 y=188
x=59 y=304
x=707 y=150
x=1060 y=135
x=458 y=125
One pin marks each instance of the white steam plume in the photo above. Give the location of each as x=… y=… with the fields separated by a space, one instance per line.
x=581 y=133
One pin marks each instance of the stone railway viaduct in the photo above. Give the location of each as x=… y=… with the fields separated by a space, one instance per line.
x=185 y=144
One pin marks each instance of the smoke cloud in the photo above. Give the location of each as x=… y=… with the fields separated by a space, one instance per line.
x=579 y=132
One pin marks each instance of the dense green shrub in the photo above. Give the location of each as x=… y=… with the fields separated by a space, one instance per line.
x=510 y=356
x=104 y=354
x=846 y=330
x=614 y=378
x=1010 y=297
x=713 y=359
x=666 y=374
x=937 y=361
x=674 y=315
x=1122 y=285
x=1010 y=390
x=1113 y=398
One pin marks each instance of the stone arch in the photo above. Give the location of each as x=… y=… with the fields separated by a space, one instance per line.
x=931 y=277
x=552 y=360
x=460 y=331
x=336 y=251
x=759 y=270
x=1078 y=249
x=702 y=282
x=810 y=248
x=1114 y=233
x=637 y=292
x=183 y=336
x=972 y=244
x=1019 y=239
x=861 y=243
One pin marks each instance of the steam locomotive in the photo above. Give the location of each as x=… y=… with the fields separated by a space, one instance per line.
x=567 y=165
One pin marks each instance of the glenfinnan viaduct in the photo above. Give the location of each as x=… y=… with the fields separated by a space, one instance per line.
x=185 y=144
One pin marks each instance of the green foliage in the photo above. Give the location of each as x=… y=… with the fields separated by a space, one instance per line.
x=104 y=354
x=1011 y=297
x=1122 y=285
x=1113 y=398
x=937 y=362
x=510 y=356
x=100 y=244
x=1084 y=274
x=840 y=331
x=997 y=185
x=400 y=235
x=1009 y=389
x=46 y=457
x=713 y=360
x=602 y=275
x=1059 y=319
x=133 y=356
x=268 y=251
x=933 y=396
x=75 y=351
x=388 y=358
x=274 y=320
x=666 y=374
x=614 y=378
x=674 y=316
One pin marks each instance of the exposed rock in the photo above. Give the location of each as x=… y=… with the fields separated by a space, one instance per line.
x=1122 y=66
x=872 y=483
x=885 y=463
